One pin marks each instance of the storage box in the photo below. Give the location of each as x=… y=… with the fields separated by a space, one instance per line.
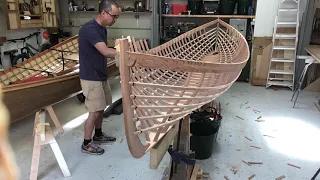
x=179 y=8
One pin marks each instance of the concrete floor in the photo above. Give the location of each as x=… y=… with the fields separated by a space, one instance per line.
x=295 y=132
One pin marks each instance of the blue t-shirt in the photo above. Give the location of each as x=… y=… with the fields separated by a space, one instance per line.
x=93 y=64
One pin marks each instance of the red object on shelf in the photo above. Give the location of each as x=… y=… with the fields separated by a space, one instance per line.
x=179 y=8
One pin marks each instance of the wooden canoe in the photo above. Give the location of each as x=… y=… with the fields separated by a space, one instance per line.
x=160 y=86
x=47 y=78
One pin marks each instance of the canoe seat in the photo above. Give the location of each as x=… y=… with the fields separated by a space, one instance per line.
x=10 y=52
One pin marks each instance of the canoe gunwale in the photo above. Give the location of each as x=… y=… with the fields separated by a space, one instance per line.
x=142 y=60
x=49 y=80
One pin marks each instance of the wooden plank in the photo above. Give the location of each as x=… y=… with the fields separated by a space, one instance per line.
x=260 y=60
x=54 y=119
x=210 y=16
x=183 y=171
x=313 y=87
x=159 y=150
x=41 y=125
x=195 y=172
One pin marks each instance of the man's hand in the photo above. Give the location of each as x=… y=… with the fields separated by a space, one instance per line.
x=103 y=49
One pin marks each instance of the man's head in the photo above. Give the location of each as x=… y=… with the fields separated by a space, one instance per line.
x=108 y=12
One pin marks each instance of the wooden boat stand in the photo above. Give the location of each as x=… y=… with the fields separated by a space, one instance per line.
x=43 y=135
x=182 y=164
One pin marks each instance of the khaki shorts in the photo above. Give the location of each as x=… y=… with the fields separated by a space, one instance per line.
x=98 y=94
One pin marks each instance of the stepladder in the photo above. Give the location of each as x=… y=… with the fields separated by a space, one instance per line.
x=43 y=135
x=284 y=45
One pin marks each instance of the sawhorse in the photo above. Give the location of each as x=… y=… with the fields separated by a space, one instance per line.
x=43 y=135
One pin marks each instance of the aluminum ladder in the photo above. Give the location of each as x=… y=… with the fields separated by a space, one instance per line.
x=284 y=45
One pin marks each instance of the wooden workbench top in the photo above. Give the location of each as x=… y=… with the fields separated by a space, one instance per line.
x=314 y=51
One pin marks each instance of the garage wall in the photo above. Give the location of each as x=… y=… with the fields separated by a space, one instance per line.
x=265 y=16
x=10 y=34
x=126 y=24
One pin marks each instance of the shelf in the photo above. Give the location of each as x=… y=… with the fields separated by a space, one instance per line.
x=209 y=16
x=125 y=12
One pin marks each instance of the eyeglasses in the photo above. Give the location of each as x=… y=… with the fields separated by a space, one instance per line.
x=113 y=16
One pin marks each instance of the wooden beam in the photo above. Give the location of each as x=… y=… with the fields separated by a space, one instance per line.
x=159 y=150
x=182 y=171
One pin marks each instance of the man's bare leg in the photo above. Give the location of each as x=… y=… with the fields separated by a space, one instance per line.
x=100 y=137
x=87 y=146
x=90 y=124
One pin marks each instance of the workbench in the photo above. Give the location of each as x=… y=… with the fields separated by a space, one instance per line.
x=314 y=51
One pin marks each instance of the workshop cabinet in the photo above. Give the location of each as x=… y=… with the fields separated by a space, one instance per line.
x=22 y=14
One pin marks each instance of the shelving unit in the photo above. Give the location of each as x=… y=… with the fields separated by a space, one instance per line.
x=172 y=25
x=43 y=14
x=209 y=16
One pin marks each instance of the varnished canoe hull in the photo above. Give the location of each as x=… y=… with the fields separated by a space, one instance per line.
x=22 y=102
x=27 y=98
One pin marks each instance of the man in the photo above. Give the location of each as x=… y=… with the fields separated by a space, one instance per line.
x=93 y=54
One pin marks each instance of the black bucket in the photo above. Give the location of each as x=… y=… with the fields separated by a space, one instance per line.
x=204 y=132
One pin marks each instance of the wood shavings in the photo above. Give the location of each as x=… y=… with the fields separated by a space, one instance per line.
x=259 y=117
x=294 y=166
x=253 y=175
x=240 y=117
x=226 y=178
x=246 y=163
x=255 y=162
x=281 y=177
x=255 y=147
x=255 y=111
x=259 y=120
x=248 y=138
x=268 y=136
x=121 y=140
x=234 y=170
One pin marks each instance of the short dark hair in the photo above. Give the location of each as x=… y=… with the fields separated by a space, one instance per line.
x=106 y=5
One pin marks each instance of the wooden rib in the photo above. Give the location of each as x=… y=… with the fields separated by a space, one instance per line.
x=171 y=80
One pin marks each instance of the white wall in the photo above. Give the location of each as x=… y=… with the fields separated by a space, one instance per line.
x=265 y=16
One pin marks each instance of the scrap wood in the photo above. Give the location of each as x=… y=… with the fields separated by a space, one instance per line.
x=281 y=177
x=226 y=178
x=234 y=170
x=239 y=117
x=269 y=136
x=121 y=140
x=253 y=175
x=255 y=162
x=317 y=105
x=248 y=138
x=246 y=163
x=259 y=120
x=255 y=111
x=255 y=147
x=248 y=107
x=259 y=117
x=205 y=175
x=294 y=166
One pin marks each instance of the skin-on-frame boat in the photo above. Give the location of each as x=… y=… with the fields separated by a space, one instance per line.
x=49 y=77
x=160 y=86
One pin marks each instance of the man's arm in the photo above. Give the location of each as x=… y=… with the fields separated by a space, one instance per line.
x=103 y=49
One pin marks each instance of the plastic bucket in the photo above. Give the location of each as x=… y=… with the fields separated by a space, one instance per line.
x=204 y=133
